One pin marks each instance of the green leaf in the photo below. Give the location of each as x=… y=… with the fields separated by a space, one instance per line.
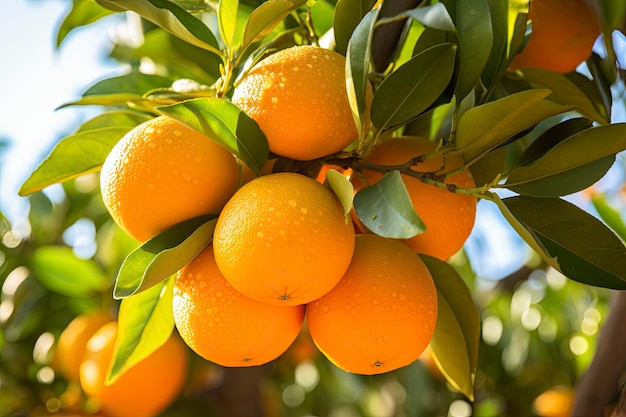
x=472 y=20
x=457 y=332
x=609 y=214
x=61 y=271
x=359 y=58
x=264 y=19
x=131 y=83
x=413 y=87
x=497 y=62
x=348 y=15
x=342 y=188
x=170 y=17
x=227 y=20
x=163 y=255
x=145 y=323
x=385 y=208
x=435 y=16
x=585 y=249
x=73 y=156
x=484 y=127
x=571 y=165
x=83 y=12
x=121 y=99
x=566 y=92
x=226 y=124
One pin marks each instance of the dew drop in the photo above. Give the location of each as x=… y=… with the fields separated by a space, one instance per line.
x=304 y=210
x=274 y=100
x=151 y=186
x=177 y=132
x=186 y=176
x=325 y=309
x=293 y=203
x=259 y=235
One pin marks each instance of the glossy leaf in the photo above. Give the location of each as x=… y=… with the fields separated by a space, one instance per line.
x=457 y=333
x=435 y=16
x=131 y=83
x=472 y=20
x=170 y=17
x=264 y=19
x=60 y=270
x=227 y=20
x=585 y=249
x=348 y=15
x=163 y=255
x=83 y=12
x=385 y=208
x=226 y=124
x=413 y=87
x=571 y=165
x=121 y=99
x=73 y=156
x=497 y=61
x=359 y=58
x=486 y=126
x=145 y=323
x=342 y=188
x=120 y=118
x=566 y=92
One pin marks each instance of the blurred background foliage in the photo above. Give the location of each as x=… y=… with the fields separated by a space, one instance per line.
x=539 y=329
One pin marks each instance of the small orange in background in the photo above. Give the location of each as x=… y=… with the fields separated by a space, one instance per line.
x=144 y=390
x=283 y=239
x=162 y=173
x=224 y=326
x=299 y=99
x=563 y=34
x=381 y=315
x=449 y=217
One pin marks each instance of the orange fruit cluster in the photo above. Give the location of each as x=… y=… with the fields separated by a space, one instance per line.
x=83 y=355
x=283 y=248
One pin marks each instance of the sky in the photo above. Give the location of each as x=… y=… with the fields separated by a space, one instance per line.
x=36 y=78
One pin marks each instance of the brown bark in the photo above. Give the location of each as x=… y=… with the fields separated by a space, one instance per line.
x=386 y=36
x=600 y=384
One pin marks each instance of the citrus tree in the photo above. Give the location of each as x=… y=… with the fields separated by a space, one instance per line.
x=287 y=186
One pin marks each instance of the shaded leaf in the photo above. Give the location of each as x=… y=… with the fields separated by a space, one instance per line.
x=226 y=124
x=584 y=248
x=457 y=333
x=359 y=58
x=121 y=99
x=472 y=20
x=486 y=126
x=435 y=16
x=170 y=17
x=145 y=323
x=385 y=208
x=83 y=12
x=497 y=62
x=348 y=15
x=413 y=87
x=163 y=255
x=131 y=83
x=566 y=92
x=61 y=271
x=73 y=156
x=571 y=165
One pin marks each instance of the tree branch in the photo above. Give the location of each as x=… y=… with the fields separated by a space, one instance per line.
x=386 y=37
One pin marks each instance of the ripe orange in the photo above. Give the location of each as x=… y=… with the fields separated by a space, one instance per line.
x=73 y=340
x=145 y=389
x=283 y=239
x=162 y=173
x=554 y=402
x=381 y=315
x=563 y=33
x=449 y=217
x=224 y=326
x=298 y=97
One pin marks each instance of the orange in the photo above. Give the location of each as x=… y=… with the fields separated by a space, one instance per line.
x=563 y=33
x=73 y=340
x=299 y=99
x=144 y=390
x=224 y=326
x=321 y=174
x=283 y=239
x=554 y=402
x=449 y=217
x=381 y=315
x=162 y=173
